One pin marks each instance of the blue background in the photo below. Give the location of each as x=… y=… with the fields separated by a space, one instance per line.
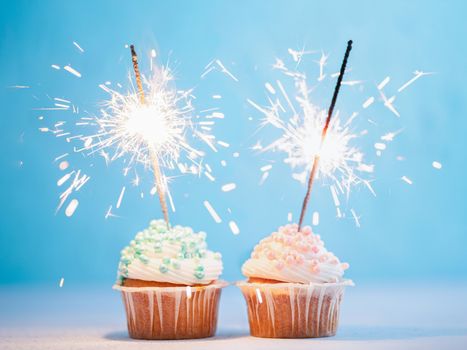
x=413 y=232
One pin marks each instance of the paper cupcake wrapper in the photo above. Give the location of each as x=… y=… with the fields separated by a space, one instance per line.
x=293 y=310
x=171 y=312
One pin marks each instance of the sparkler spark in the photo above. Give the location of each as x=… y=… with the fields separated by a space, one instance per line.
x=149 y=125
x=301 y=124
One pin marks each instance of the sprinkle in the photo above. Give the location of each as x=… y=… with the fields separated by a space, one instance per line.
x=188 y=292
x=279 y=265
x=199 y=275
x=70 y=209
x=163 y=268
x=62 y=281
x=223 y=163
x=54 y=66
x=315 y=219
x=368 y=102
x=72 y=71
x=234 y=228
x=236 y=155
x=345 y=266
x=153 y=53
x=258 y=294
x=216 y=97
x=436 y=165
x=211 y=211
x=289 y=217
x=406 y=179
x=229 y=187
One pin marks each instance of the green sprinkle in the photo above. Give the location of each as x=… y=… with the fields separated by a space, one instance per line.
x=166 y=261
x=125 y=260
x=188 y=256
x=199 y=275
x=180 y=256
x=176 y=264
x=192 y=245
x=199 y=268
x=144 y=259
x=163 y=268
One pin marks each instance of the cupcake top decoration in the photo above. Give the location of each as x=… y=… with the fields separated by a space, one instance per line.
x=175 y=255
x=290 y=255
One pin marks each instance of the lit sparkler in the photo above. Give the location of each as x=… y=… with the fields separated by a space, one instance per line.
x=149 y=127
x=306 y=143
x=309 y=138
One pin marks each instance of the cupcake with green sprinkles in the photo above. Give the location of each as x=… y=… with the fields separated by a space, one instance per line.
x=170 y=284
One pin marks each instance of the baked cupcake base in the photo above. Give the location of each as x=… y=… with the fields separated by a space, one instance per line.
x=179 y=312
x=293 y=310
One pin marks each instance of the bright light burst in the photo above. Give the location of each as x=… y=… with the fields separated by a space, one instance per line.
x=301 y=141
x=156 y=128
x=301 y=124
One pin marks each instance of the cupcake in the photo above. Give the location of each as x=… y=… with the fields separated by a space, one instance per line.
x=294 y=287
x=169 y=283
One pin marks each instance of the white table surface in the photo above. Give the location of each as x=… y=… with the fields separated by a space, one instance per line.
x=374 y=316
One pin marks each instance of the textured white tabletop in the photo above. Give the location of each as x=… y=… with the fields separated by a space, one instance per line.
x=376 y=316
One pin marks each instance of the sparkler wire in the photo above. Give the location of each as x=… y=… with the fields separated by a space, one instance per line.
x=314 y=169
x=153 y=155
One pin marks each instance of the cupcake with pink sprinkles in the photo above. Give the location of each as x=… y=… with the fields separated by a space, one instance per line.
x=294 y=287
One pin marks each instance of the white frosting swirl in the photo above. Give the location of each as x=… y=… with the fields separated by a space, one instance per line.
x=292 y=256
x=176 y=255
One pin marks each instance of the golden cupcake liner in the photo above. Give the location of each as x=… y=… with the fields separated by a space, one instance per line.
x=172 y=312
x=293 y=310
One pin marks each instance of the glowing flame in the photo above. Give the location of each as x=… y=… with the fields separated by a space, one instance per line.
x=158 y=126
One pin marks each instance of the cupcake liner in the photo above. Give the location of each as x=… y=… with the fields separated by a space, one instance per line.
x=293 y=310
x=171 y=312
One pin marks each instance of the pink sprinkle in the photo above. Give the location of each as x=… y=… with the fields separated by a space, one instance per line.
x=323 y=258
x=290 y=260
x=315 y=249
x=302 y=247
x=280 y=265
x=288 y=241
x=314 y=262
x=315 y=269
x=345 y=266
x=306 y=230
x=334 y=261
x=299 y=259
x=271 y=255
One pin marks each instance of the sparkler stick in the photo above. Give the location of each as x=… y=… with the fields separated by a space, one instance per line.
x=314 y=169
x=153 y=155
